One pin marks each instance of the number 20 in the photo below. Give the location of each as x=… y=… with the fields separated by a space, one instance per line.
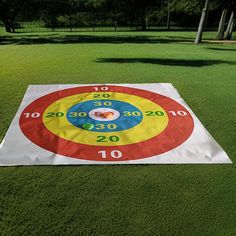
x=102 y=138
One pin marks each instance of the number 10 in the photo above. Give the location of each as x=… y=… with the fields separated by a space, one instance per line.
x=100 y=88
x=114 y=154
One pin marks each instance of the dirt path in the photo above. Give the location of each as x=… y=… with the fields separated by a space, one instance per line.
x=220 y=41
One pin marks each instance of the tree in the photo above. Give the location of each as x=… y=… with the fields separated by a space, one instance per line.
x=112 y=11
x=230 y=27
x=221 y=27
x=94 y=9
x=8 y=12
x=70 y=8
x=227 y=6
x=202 y=23
x=50 y=10
x=141 y=8
x=168 y=14
x=186 y=12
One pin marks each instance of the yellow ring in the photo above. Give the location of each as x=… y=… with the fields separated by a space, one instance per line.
x=149 y=127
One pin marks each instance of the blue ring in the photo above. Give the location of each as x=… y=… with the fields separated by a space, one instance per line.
x=122 y=122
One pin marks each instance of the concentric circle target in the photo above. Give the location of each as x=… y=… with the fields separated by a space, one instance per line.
x=139 y=124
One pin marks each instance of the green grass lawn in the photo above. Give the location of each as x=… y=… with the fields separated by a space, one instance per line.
x=122 y=200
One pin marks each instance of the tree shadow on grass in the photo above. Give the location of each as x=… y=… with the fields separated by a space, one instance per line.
x=222 y=49
x=72 y=39
x=165 y=61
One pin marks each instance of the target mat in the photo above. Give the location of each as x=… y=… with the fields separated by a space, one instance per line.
x=107 y=124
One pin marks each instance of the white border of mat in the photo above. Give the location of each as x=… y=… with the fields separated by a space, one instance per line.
x=200 y=148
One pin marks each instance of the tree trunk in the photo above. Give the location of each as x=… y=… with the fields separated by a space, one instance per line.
x=70 y=22
x=168 y=16
x=94 y=25
x=202 y=23
x=7 y=26
x=12 y=25
x=232 y=28
x=229 y=30
x=221 y=28
x=206 y=21
x=115 y=25
x=52 y=24
x=144 y=28
x=143 y=23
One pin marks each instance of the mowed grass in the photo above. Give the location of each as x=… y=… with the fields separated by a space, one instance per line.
x=122 y=200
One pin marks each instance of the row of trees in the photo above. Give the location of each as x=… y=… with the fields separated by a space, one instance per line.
x=123 y=12
x=226 y=5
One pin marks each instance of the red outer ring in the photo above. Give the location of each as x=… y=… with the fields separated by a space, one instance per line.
x=177 y=131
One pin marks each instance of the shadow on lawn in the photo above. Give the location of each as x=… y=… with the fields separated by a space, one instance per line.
x=166 y=61
x=71 y=39
x=222 y=49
